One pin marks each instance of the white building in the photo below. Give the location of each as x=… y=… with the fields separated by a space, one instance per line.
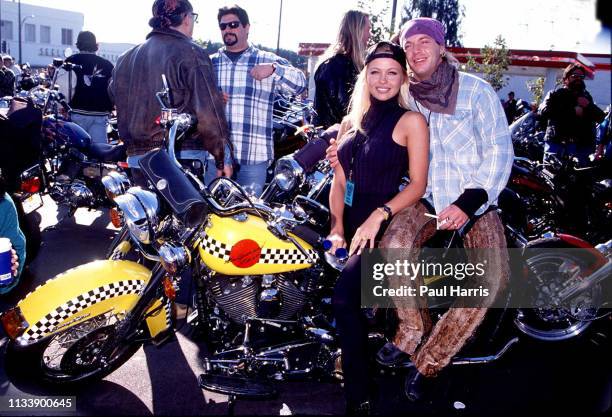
x=45 y=34
x=525 y=65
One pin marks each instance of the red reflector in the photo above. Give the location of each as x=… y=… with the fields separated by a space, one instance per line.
x=245 y=253
x=169 y=289
x=14 y=323
x=123 y=165
x=31 y=185
x=158 y=120
x=115 y=217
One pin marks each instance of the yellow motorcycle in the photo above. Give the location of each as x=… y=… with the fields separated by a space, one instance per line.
x=254 y=266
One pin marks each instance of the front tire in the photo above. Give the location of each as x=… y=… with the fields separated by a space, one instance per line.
x=83 y=353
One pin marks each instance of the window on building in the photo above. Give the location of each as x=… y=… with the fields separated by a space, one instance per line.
x=7 y=30
x=66 y=36
x=29 y=32
x=45 y=34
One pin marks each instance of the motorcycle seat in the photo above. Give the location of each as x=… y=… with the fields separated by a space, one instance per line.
x=107 y=153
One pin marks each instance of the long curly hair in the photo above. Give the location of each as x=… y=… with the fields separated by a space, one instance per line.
x=169 y=13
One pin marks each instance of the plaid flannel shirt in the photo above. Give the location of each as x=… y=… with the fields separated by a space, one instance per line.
x=469 y=149
x=250 y=104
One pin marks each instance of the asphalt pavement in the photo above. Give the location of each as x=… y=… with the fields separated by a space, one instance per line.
x=572 y=378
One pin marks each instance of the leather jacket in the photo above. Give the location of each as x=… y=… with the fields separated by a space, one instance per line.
x=334 y=81
x=188 y=69
x=563 y=123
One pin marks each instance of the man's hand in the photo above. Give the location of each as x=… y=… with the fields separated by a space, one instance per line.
x=225 y=97
x=262 y=71
x=331 y=153
x=227 y=171
x=452 y=218
x=583 y=101
x=579 y=111
x=14 y=262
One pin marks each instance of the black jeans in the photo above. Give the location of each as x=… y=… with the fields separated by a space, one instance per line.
x=353 y=332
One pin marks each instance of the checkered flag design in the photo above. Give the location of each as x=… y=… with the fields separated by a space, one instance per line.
x=286 y=256
x=80 y=303
x=216 y=248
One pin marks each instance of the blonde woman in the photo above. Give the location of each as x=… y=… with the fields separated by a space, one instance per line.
x=336 y=75
x=379 y=142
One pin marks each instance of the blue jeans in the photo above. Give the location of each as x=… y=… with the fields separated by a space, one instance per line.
x=561 y=150
x=94 y=125
x=253 y=177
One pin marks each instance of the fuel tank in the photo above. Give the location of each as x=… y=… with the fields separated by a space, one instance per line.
x=243 y=245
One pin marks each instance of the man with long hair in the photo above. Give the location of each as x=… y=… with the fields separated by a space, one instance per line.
x=341 y=63
x=169 y=50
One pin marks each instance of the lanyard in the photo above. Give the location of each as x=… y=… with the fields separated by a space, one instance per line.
x=359 y=142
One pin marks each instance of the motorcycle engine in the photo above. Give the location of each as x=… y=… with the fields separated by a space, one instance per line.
x=268 y=296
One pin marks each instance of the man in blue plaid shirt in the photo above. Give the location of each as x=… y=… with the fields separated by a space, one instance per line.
x=470 y=162
x=249 y=79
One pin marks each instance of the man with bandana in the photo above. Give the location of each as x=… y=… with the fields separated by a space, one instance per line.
x=137 y=76
x=250 y=79
x=572 y=116
x=470 y=162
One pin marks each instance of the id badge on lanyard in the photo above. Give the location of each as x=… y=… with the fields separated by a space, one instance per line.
x=348 y=193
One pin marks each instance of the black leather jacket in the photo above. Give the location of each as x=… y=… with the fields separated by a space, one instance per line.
x=563 y=123
x=190 y=75
x=334 y=81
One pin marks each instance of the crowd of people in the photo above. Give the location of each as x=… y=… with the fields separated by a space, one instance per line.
x=403 y=108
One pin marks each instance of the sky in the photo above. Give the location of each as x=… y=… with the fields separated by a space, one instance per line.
x=568 y=25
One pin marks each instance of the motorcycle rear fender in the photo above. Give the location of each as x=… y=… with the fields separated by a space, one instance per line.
x=84 y=292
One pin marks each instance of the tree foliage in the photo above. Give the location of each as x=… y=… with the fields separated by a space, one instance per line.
x=380 y=31
x=537 y=89
x=449 y=12
x=291 y=56
x=494 y=62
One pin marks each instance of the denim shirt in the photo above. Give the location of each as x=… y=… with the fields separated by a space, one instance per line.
x=470 y=148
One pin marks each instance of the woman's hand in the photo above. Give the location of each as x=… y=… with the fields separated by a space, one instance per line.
x=365 y=236
x=14 y=262
x=331 y=153
x=337 y=240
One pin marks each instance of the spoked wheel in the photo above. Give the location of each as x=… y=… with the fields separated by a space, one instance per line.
x=85 y=352
x=549 y=272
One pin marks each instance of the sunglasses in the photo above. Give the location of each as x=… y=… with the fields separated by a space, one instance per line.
x=577 y=76
x=195 y=17
x=232 y=25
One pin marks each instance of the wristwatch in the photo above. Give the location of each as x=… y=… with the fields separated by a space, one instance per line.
x=386 y=211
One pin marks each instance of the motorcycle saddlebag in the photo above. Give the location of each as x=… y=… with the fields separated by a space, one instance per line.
x=171 y=182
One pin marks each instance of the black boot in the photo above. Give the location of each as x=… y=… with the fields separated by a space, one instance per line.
x=392 y=356
x=415 y=385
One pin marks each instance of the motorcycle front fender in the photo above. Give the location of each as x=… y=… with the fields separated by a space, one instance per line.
x=84 y=292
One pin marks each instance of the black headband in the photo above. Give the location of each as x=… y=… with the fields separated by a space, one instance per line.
x=385 y=49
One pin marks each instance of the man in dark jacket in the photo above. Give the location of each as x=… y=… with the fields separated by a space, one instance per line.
x=7 y=81
x=90 y=102
x=572 y=116
x=137 y=77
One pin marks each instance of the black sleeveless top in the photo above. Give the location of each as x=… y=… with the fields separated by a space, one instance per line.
x=379 y=163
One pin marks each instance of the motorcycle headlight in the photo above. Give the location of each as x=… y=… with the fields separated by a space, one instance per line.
x=173 y=258
x=115 y=184
x=288 y=173
x=140 y=209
